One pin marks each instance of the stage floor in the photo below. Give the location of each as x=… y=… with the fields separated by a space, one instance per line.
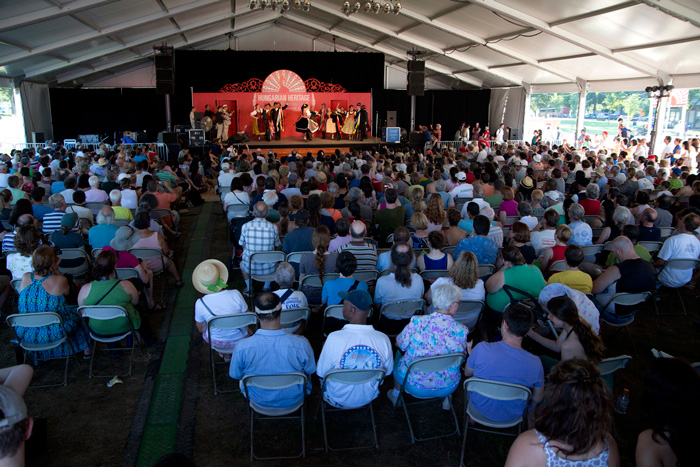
x=286 y=145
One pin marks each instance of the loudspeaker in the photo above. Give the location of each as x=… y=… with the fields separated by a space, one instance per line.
x=415 y=89
x=173 y=151
x=165 y=76
x=198 y=119
x=416 y=77
x=513 y=133
x=391 y=118
x=38 y=137
x=165 y=87
x=416 y=66
x=140 y=137
x=416 y=138
x=167 y=137
x=164 y=62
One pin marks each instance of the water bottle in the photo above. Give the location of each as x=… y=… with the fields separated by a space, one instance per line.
x=623 y=401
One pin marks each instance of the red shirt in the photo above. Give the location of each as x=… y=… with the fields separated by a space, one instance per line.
x=590 y=206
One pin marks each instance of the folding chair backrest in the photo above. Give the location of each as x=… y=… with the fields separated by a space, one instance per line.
x=237 y=208
x=682 y=263
x=486 y=269
x=124 y=274
x=102 y=312
x=611 y=365
x=468 y=312
x=16 y=284
x=161 y=212
x=354 y=377
x=450 y=250
x=145 y=253
x=34 y=320
x=597 y=232
x=274 y=382
x=404 y=308
x=314 y=280
x=666 y=232
x=334 y=311
x=295 y=256
x=73 y=253
x=607 y=246
x=558 y=266
x=651 y=246
x=289 y=318
x=497 y=390
x=589 y=250
x=433 y=274
x=95 y=252
x=436 y=363
x=510 y=220
x=629 y=299
x=267 y=257
x=365 y=275
x=94 y=205
x=231 y=322
x=121 y=222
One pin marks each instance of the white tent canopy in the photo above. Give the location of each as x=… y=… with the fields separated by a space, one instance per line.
x=550 y=45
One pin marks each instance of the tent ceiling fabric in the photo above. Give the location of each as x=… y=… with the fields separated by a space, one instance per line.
x=549 y=44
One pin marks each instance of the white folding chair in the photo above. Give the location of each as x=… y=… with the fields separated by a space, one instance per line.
x=468 y=312
x=73 y=254
x=433 y=364
x=485 y=269
x=121 y=222
x=332 y=311
x=349 y=378
x=40 y=320
x=510 y=220
x=315 y=280
x=400 y=311
x=237 y=209
x=267 y=258
x=148 y=253
x=666 y=232
x=226 y=323
x=450 y=250
x=275 y=383
x=558 y=266
x=609 y=366
x=295 y=258
x=591 y=250
x=106 y=313
x=681 y=265
x=431 y=275
x=625 y=299
x=124 y=274
x=294 y=316
x=95 y=252
x=16 y=284
x=95 y=206
x=499 y=391
x=162 y=212
x=651 y=246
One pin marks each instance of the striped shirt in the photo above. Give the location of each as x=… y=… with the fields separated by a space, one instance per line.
x=366 y=254
x=52 y=222
x=8 y=242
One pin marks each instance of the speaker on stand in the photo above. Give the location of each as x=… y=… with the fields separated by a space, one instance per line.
x=416 y=78
x=165 y=75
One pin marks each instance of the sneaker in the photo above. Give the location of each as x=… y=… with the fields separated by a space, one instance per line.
x=392 y=398
x=245 y=291
x=446 y=403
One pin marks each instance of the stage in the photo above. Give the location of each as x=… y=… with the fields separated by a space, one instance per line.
x=285 y=145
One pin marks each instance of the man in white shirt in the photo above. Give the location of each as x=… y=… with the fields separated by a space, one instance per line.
x=544 y=239
x=500 y=133
x=358 y=346
x=225 y=176
x=462 y=190
x=483 y=154
x=478 y=193
x=641 y=150
x=668 y=148
x=292 y=188
x=4 y=176
x=685 y=245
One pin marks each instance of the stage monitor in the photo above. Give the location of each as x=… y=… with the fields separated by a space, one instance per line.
x=391 y=135
x=196 y=137
x=89 y=139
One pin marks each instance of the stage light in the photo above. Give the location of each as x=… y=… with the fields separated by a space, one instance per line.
x=273 y=4
x=285 y=5
x=263 y=4
x=345 y=8
x=297 y=4
x=373 y=6
x=252 y=5
x=306 y=6
x=367 y=7
x=397 y=8
x=376 y=6
x=386 y=8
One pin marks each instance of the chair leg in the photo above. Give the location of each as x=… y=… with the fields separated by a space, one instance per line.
x=92 y=358
x=374 y=426
x=303 y=432
x=323 y=422
x=680 y=298
x=408 y=419
x=634 y=346
x=65 y=372
x=213 y=369
x=252 y=438
x=454 y=415
x=464 y=440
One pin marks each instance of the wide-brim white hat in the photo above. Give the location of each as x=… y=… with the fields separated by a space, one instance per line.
x=210 y=276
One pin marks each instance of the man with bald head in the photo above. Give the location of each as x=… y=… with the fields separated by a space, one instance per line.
x=632 y=274
x=648 y=232
x=258 y=235
x=365 y=253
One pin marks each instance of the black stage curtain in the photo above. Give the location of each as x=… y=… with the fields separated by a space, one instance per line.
x=448 y=108
x=210 y=70
x=106 y=112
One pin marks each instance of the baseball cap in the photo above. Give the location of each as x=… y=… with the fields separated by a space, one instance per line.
x=360 y=299
x=552 y=195
x=302 y=215
x=68 y=220
x=13 y=407
x=225 y=166
x=461 y=176
x=122 y=177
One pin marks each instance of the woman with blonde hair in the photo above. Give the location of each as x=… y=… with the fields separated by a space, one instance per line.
x=419 y=222
x=435 y=212
x=464 y=273
x=556 y=253
x=320 y=261
x=536 y=200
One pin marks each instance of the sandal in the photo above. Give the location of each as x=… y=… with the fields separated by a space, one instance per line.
x=157 y=307
x=179 y=284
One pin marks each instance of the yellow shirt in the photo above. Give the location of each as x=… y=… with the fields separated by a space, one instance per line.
x=576 y=280
x=122 y=213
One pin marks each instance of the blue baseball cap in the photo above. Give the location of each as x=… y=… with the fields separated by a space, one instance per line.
x=360 y=299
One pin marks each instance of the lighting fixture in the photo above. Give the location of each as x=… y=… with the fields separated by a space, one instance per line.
x=386 y=6
x=283 y=5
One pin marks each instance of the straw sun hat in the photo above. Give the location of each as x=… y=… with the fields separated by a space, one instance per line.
x=210 y=276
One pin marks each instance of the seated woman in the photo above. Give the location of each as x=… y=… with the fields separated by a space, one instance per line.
x=124 y=239
x=621 y=217
x=576 y=339
x=27 y=239
x=154 y=240
x=67 y=238
x=238 y=197
x=555 y=253
x=520 y=233
x=573 y=426
x=45 y=289
x=435 y=214
x=671 y=409
x=106 y=289
x=320 y=261
x=430 y=335
x=419 y=222
x=435 y=258
x=454 y=234
x=465 y=275
x=403 y=284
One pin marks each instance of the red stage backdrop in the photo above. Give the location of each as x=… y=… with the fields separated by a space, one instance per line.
x=281 y=86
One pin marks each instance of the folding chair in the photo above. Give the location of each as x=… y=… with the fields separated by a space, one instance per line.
x=450 y=250
x=226 y=323
x=146 y=253
x=493 y=390
x=294 y=258
x=591 y=250
x=74 y=253
x=161 y=212
x=124 y=274
x=95 y=206
x=365 y=275
x=105 y=313
x=681 y=265
x=469 y=312
x=332 y=311
x=666 y=232
x=609 y=366
x=40 y=320
x=263 y=257
x=597 y=232
x=314 y=280
x=558 y=266
x=588 y=219
x=86 y=223
x=431 y=275
x=293 y=317
x=95 y=252
x=510 y=220
x=432 y=364
x=275 y=382
x=237 y=209
x=349 y=378
x=121 y=222
x=651 y=246
x=625 y=299
x=485 y=269
x=16 y=284
x=400 y=311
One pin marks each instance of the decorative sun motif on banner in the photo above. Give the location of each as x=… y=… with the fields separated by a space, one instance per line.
x=283 y=81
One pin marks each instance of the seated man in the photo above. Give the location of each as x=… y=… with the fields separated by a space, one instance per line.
x=648 y=232
x=358 y=346
x=508 y=362
x=484 y=249
x=573 y=276
x=210 y=278
x=684 y=245
x=289 y=297
x=390 y=218
x=346 y=264
x=272 y=351
x=632 y=275
x=120 y=212
x=38 y=208
x=365 y=253
x=401 y=235
x=15 y=424
x=632 y=232
x=257 y=235
x=299 y=239
x=102 y=234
